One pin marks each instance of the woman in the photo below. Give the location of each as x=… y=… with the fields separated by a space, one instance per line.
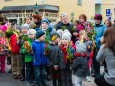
x=82 y=22
x=107 y=54
x=108 y=23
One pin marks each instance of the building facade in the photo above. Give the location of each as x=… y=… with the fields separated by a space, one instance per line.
x=108 y=5
x=49 y=8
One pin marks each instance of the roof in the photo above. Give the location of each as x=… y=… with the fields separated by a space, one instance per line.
x=29 y=7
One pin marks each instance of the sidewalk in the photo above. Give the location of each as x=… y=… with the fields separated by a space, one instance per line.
x=9 y=81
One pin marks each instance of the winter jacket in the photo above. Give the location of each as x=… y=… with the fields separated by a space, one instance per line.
x=14 y=46
x=99 y=29
x=28 y=55
x=64 y=62
x=80 y=26
x=54 y=55
x=80 y=67
x=2 y=45
x=38 y=53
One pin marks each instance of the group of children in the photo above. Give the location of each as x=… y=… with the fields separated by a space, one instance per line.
x=62 y=58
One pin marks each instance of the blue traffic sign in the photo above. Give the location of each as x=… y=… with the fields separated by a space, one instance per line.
x=108 y=12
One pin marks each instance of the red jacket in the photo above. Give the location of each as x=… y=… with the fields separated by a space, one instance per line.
x=14 y=46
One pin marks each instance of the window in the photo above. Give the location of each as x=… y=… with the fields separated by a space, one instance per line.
x=79 y=2
x=42 y=1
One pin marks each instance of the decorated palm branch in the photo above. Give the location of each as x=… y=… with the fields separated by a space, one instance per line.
x=89 y=27
x=70 y=52
x=27 y=47
x=47 y=41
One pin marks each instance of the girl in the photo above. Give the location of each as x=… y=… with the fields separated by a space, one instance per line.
x=67 y=50
x=80 y=63
x=107 y=54
x=3 y=28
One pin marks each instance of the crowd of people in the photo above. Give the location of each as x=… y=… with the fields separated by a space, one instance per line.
x=63 y=52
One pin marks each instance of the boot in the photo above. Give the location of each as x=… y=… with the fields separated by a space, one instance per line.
x=54 y=82
x=22 y=74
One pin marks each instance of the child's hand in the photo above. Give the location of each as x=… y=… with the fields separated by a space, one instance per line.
x=56 y=67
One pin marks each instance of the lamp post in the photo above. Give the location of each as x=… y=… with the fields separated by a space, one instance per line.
x=36 y=9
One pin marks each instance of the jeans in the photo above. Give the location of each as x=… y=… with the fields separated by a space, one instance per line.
x=77 y=81
x=29 y=71
x=39 y=73
x=100 y=81
x=96 y=64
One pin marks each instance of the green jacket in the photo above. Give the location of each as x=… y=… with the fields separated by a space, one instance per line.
x=28 y=56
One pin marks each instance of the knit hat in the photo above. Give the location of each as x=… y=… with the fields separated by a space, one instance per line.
x=40 y=33
x=3 y=28
x=46 y=20
x=54 y=36
x=26 y=26
x=32 y=31
x=66 y=35
x=98 y=16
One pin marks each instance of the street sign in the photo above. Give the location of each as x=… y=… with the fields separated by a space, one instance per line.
x=108 y=12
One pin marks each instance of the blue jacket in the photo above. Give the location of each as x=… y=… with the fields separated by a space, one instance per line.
x=100 y=29
x=38 y=53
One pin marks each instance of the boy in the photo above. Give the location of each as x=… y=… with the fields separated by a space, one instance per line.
x=39 y=59
x=54 y=56
x=27 y=50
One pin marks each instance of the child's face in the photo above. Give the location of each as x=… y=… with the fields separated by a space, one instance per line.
x=44 y=25
x=24 y=30
x=83 y=35
x=31 y=36
x=64 y=42
x=57 y=41
x=42 y=38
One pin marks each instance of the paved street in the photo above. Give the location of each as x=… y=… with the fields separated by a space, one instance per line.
x=9 y=81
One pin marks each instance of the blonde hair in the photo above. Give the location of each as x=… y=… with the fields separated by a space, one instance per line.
x=81 y=32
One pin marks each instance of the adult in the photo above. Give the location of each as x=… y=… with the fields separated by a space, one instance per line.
x=114 y=24
x=108 y=23
x=59 y=21
x=99 y=29
x=37 y=20
x=82 y=22
x=107 y=54
x=65 y=25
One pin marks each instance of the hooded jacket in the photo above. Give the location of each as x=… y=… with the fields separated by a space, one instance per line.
x=38 y=53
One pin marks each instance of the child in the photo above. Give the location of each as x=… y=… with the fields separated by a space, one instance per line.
x=23 y=37
x=27 y=50
x=80 y=64
x=3 y=28
x=39 y=59
x=67 y=51
x=54 y=57
x=15 y=48
x=48 y=30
